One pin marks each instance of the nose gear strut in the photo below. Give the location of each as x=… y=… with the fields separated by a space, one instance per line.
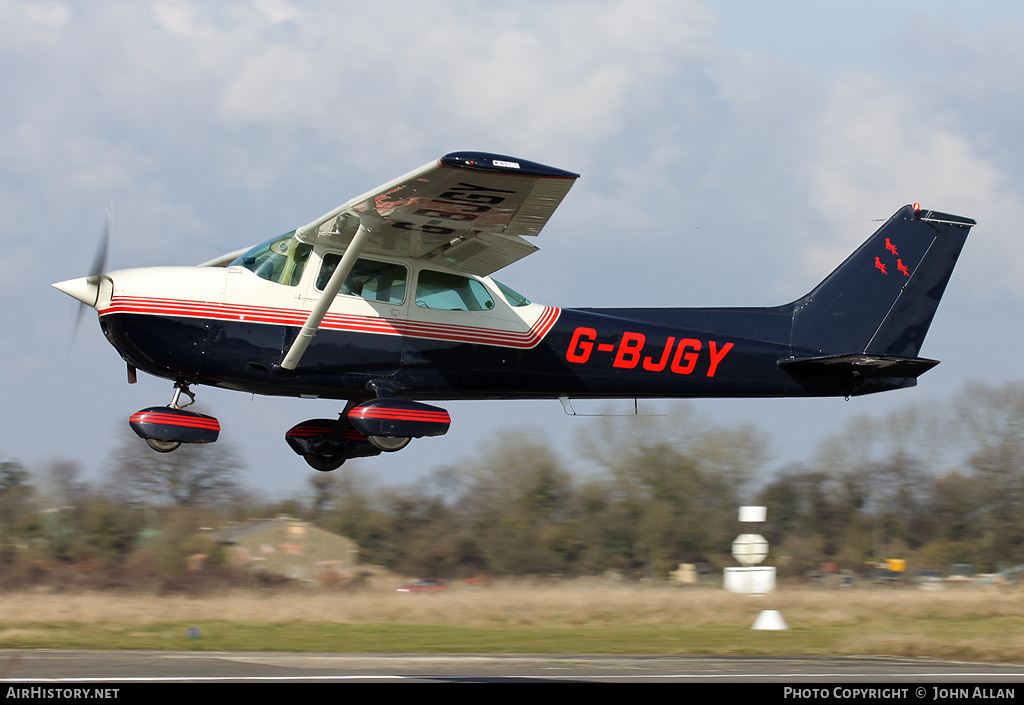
x=179 y=389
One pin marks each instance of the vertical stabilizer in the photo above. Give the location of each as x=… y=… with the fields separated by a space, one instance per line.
x=882 y=299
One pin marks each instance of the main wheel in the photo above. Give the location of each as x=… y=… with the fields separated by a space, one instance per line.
x=162 y=446
x=388 y=444
x=324 y=463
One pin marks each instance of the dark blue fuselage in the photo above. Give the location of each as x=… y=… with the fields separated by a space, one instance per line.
x=586 y=353
x=859 y=331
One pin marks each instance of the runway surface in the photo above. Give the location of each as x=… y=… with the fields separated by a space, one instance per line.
x=80 y=666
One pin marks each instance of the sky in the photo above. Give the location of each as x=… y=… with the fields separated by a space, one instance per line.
x=731 y=153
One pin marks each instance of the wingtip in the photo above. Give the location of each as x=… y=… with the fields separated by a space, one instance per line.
x=499 y=163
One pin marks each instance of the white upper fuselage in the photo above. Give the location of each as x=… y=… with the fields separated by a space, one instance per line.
x=411 y=309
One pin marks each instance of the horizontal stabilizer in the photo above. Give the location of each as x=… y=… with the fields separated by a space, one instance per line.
x=858 y=365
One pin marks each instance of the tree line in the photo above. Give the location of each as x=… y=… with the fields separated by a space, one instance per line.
x=933 y=485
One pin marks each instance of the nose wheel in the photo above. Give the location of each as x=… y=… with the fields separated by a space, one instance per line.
x=162 y=446
x=165 y=428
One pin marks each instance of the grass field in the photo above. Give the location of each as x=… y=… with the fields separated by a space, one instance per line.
x=970 y=623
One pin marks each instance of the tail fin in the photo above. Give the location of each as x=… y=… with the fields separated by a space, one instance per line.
x=861 y=329
x=882 y=299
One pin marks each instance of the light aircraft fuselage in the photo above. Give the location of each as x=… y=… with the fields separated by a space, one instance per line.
x=387 y=302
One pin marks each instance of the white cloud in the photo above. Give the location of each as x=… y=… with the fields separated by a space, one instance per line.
x=881 y=146
x=663 y=121
x=213 y=125
x=182 y=17
x=29 y=27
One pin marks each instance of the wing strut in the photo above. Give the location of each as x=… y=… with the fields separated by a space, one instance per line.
x=312 y=324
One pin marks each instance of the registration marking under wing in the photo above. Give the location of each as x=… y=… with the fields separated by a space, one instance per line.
x=337 y=321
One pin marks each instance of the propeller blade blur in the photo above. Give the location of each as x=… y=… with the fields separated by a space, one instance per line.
x=86 y=289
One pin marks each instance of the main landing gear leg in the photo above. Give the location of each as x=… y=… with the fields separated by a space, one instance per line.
x=327 y=452
x=365 y=428
x=325 y=444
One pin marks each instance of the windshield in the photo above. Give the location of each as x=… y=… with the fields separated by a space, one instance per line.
x=280 y=260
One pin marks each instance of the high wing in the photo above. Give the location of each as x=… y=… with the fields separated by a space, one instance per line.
x=467 y=211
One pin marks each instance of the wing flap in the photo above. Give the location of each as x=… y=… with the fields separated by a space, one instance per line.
x=467 y=210
x=538 y=207
x=484 y=253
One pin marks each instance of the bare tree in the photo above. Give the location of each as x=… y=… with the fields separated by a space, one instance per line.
x=15 y=497
x=993 y=419
x=190 y=476
x=675 y=484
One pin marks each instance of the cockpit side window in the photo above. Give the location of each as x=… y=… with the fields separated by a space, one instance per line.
x=451 y=292
x=371 y=280
x=280 y=260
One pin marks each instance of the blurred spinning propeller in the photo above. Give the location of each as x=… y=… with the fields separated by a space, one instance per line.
x=86 y=289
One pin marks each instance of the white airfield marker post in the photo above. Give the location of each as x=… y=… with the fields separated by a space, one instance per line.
x=749 y=549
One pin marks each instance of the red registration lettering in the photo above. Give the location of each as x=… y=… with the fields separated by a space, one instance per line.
x=681 y=354
x=717 y=355
x=629 y=350
x=581 y=345
x=652 y=366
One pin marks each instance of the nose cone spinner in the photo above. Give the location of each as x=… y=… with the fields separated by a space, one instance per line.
x=85 y=289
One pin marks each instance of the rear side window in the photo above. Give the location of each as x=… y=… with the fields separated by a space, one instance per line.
x=451 y=292
x=371 y=280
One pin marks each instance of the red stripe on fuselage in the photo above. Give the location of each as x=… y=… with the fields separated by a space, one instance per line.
x=337 y=321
